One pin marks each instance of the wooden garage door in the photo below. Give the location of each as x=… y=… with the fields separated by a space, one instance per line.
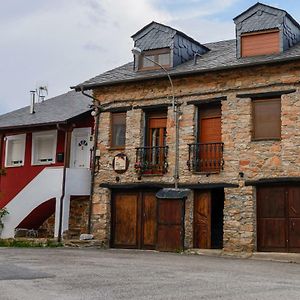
x=278 y=219
x=170 y=224
x=134 y=220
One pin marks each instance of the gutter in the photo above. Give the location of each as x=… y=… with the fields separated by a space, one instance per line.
x=93 y=167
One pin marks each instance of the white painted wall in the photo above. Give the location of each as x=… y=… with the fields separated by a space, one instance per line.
x=47 y=185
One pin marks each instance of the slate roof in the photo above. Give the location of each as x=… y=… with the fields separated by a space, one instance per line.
x=156 y=35
x=222 y=55
x=268 y=21
x=55 y=110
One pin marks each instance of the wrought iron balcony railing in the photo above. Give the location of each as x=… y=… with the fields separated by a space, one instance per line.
x=206 y=158
x=151 y=160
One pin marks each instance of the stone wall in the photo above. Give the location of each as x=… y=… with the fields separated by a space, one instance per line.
x=78 y=216
x=255 y=159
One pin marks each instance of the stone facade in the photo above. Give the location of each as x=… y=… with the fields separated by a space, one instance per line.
x=255 y=159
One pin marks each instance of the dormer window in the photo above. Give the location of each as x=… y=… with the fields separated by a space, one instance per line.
x=265 y=30
x=148 y=59
x=260 y=43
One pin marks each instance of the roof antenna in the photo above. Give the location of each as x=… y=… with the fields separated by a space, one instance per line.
x=42 y=92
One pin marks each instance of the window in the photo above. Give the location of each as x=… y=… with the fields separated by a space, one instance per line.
x=15 y=150
x=161 y=56
x=118 y=130
x=266 y=119
x=44 y=147
x=260 y=43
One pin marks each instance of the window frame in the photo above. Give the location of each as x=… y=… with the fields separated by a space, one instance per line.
x=111 y=145
x=253 y=131
x=10 y=138
x=156 y=54
x=35 y=136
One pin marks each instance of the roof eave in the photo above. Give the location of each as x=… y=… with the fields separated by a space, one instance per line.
x=179 y=74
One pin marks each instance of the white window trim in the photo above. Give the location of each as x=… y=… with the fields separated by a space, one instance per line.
x=35 y=135
x=21 y=137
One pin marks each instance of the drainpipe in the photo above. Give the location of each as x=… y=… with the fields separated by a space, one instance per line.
x=63 y=189
x=96 y=133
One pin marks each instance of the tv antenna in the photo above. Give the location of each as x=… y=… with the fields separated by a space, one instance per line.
x=41 y=92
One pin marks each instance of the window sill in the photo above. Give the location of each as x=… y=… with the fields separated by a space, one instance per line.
x=14 y=166
x=116 y=148
x=266 y=140
x=43 y=164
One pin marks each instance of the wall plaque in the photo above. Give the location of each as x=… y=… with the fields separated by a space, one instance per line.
x=120 y=163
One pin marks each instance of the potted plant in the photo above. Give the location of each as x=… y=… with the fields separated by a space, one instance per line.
x=3 y=212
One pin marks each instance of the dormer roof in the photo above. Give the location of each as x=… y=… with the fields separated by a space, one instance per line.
x=158 y=36
x=253 y=19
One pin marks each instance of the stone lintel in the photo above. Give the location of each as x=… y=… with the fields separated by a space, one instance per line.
x=266 y=94
x=277 y=180
x=153 y=106
x=117 y=109
x=207 y=100
x=157 y=185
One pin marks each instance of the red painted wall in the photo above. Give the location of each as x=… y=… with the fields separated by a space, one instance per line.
x=17 y=178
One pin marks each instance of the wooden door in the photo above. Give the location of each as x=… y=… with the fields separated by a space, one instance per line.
x=209 y=139
x=134 y=220
x=156 y=140
x=125 y=220
x=149 y=220
x=294 y=219
x=271 y=219
x=202 y=220
x=278 y=219
x=170 y=223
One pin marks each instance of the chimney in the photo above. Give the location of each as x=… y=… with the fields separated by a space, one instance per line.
x=32 y=103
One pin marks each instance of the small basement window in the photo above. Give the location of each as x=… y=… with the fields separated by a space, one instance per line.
x=266 y=119
x=44 y=147
x=260 y=43
x=15 y=150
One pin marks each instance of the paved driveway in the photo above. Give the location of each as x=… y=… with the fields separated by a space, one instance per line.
x=123 y=274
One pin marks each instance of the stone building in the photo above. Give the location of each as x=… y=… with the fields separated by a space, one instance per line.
x=239 y=159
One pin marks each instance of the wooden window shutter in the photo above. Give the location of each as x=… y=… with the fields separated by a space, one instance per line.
x=266 y=119
x=260 y=43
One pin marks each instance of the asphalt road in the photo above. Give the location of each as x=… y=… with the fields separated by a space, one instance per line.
x=122 y=274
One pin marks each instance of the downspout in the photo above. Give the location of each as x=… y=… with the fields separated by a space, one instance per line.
x=96 y=133
x=63 y=189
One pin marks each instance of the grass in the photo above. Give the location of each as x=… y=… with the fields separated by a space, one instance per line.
x=29 y=243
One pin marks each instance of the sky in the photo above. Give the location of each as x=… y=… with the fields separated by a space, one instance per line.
x=60 y=43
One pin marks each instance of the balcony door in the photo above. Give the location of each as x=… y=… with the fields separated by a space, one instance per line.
x=210 y=139
x=156 y=141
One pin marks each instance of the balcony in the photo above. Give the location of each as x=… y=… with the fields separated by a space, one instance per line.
x=151 y=160
x=206 y=158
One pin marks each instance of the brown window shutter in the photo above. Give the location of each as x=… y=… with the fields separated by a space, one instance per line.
x=262 y=43
x=266 y=119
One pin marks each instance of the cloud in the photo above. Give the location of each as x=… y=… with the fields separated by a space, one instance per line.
x=64 y=42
